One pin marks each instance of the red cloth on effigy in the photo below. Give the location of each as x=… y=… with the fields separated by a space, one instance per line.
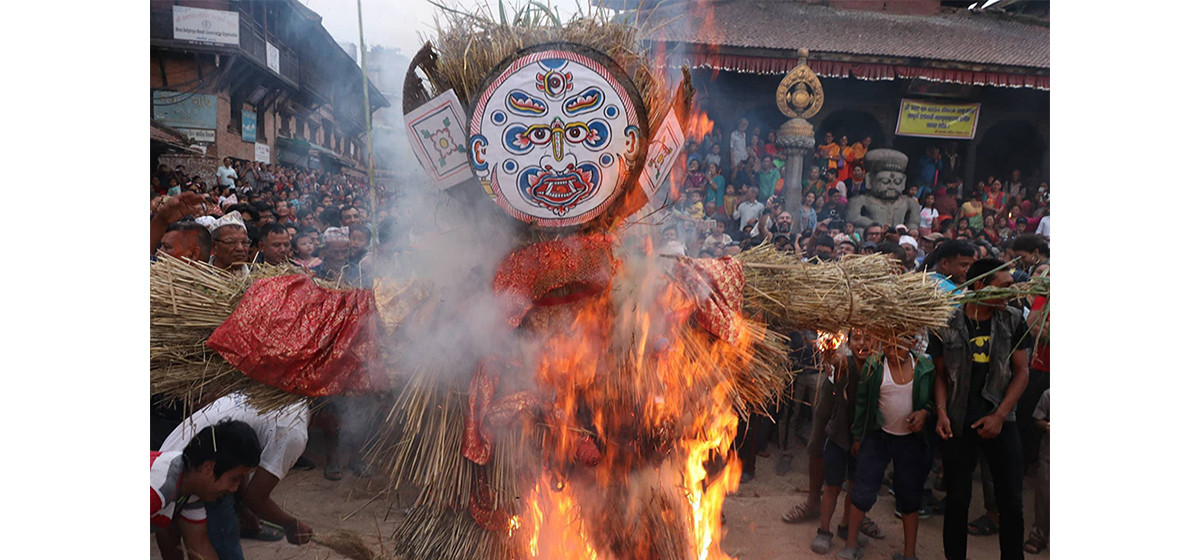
x=289 y=333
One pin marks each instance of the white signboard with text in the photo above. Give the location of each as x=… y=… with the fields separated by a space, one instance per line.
x=262 y=152
x=199 y=134
x=272 y=57
x=205 y=26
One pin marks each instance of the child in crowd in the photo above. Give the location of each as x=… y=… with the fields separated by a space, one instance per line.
x=894 y=394
x=304 y=247
x=929 y=215
x=835 y=405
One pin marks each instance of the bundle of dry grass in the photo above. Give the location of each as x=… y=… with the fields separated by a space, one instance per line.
x=188 y=300
x=860 y=292
x=471 y=45
x=1038 y=286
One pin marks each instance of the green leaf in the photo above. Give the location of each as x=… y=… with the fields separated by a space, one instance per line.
x=503 y=18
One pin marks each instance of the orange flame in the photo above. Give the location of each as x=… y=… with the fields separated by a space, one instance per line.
x=637 y=443
x=828 y=342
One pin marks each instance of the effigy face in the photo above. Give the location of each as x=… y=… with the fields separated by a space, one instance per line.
x=556 y=137
x=885 y=173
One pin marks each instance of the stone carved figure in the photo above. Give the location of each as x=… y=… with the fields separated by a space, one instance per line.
x=883 y=203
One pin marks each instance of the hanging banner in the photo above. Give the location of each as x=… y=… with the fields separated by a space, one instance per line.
x=249 y=126
x=205 y=26
x=262 y=152
x=937 y=120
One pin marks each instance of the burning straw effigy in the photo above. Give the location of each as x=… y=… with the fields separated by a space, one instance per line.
x=592 y=414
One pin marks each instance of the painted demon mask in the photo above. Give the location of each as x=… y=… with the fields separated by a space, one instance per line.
x=557 y=135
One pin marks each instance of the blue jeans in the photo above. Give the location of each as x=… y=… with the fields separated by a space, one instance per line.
x=908 y=454
x=224 y=531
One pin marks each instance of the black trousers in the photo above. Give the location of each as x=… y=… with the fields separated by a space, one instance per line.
x=1003 y=455
x=1031 y=435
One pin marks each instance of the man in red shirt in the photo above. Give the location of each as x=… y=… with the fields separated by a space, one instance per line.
x=215 y=462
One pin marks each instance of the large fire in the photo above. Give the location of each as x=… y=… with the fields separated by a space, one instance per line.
x=637 y=445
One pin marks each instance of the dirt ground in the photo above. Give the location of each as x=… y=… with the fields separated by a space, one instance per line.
x=753 y=529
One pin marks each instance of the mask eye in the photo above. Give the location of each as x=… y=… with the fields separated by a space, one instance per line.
x=539 y=135
x=576 y=133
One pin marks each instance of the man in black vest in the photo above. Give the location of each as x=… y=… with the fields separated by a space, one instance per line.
x=982 y=365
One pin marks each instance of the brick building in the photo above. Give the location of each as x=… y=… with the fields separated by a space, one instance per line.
x=253 y=80
x=870 y=56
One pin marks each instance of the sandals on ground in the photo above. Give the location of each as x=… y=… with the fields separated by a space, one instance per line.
x=801 y=513
x=983 y=527
x=1034 y=545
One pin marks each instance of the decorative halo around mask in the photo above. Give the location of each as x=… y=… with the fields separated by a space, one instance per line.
x=558 y=135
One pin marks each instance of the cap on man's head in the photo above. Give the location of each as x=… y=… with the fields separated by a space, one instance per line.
x=908 y=240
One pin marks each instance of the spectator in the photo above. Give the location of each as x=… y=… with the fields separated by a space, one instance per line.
x=964 y=230
x=737 y=142
x=187 y=240
x=831 y=442
x=749 y=210
x=972 y=210
x=360 y=242
x=856 y=184
x=769 y=147
x=845 y=247
x=814 y=182
x=274 y=245
x=1014 y=187
x=989 y=230
x=231 y=244
x=304 y=247
x=874 y=234
x=696 y=178
x=768 y=179
x=982 y=368
x=893 y=399
x=843 y=154
x=822 y=248
x=858 y=151
x=225 y=173
x=1043 y=227
x=995 y=200
x=910 y=252
x=827 y=153
x=950 y=262
x=946 y=198
x=851 y=231
x=213 y=464
x=929 y=214
x=807 y=217
x=928 y=169
x=714 y=185
x=1039 y=535
x=1032 y=250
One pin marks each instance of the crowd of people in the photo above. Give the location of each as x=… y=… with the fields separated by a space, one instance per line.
x=732 y=199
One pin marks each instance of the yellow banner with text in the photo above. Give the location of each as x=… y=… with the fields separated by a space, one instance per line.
x=937 y=120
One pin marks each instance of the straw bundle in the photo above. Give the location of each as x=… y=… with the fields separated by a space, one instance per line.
x=471 y=45
x=188 y=300
x=860 y=292
x=1038 y=286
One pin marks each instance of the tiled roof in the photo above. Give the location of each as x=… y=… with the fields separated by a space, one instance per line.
x=788 y=24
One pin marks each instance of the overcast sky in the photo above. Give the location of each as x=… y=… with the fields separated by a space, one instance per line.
x=398 y=23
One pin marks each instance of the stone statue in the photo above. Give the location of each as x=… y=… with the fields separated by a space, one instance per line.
x=882 y=203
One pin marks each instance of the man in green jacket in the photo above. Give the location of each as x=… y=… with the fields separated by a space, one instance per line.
x=895 y=392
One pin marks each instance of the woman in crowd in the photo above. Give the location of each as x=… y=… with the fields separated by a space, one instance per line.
x=989 y=230
x=806 y=218
x=972 y=210
x=929 y=215
x=715 y=183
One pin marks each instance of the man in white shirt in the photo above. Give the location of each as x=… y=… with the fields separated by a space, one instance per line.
x=1043 y=228
x=225 y=173
x=283 y=436
x=749 y=210
x=737 y=143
